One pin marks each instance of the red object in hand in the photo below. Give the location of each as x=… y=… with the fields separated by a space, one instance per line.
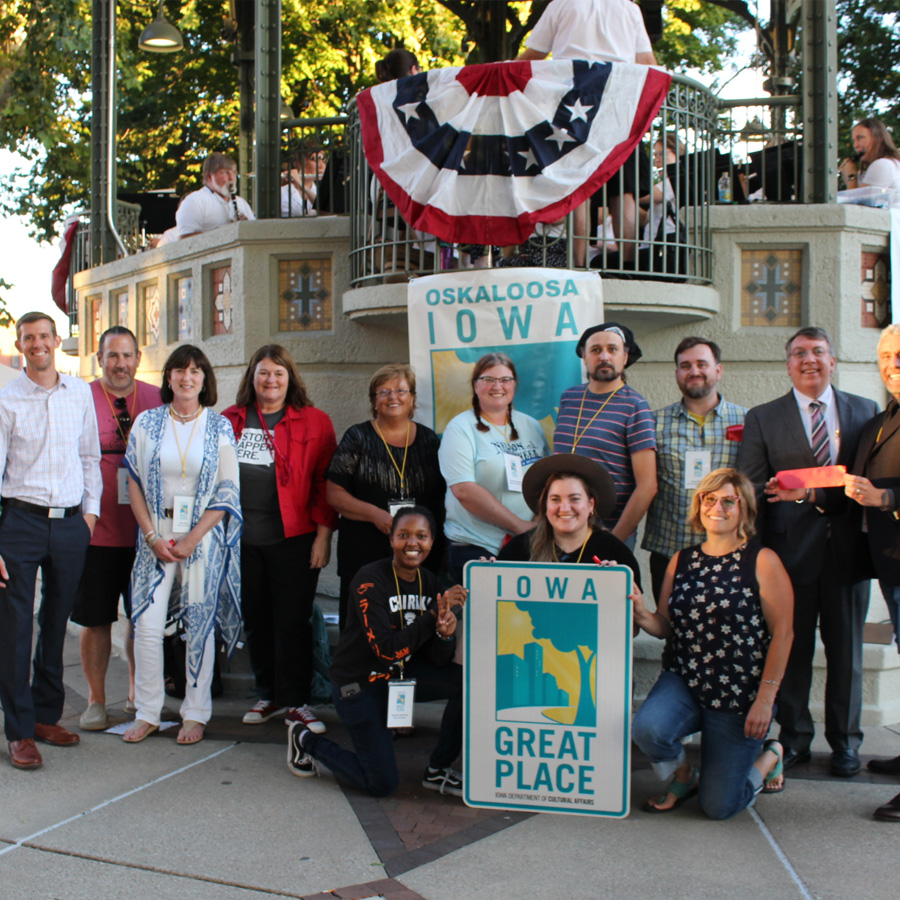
x=734 y=433
x=816 y=477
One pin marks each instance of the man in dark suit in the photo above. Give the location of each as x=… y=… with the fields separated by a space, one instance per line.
x=813 y=532
x=875 y=486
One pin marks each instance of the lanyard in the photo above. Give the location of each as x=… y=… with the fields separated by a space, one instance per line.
x=400 y=471
x=285 y=475
x=505 y=432
x=400 y=663
x=576 y=437
x=178 y=444
x=133 y=408
x=580 y=552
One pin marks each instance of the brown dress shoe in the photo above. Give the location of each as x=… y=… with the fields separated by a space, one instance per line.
x=55 y=734
x=24 y=755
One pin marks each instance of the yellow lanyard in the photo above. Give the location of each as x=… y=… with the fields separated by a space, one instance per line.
x=400 y=472
x=133 y=408
x=580 y=552
x=576 y=437
x=400 y=663
x=505 y=433
x=178 y=443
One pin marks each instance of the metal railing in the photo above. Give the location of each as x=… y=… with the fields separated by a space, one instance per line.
x=315 y=176
x=634 y=226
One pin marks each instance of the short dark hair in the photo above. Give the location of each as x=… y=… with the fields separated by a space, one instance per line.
x=395 y=65
x=215 y=162
x=812 y=333
x=417 y=510
x=689 y=342
x=296 y=392
x=180 y=358
x=114 y=330
x=30 y=317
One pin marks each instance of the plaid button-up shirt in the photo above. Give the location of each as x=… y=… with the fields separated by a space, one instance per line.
x=666 y=530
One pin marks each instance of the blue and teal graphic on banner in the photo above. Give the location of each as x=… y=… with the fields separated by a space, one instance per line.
x=551 y=679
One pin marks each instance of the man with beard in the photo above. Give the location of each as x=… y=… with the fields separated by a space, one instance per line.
x=611 y=423
x=692 y=440
x=214 y=205
x=118 y=398
x=815 y=533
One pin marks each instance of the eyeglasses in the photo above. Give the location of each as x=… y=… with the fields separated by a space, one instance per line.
x=123 y=417
x=489 y=380
x=385 y=394
x=710 y=500
x=817 y=352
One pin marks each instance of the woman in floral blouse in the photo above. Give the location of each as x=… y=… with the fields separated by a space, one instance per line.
x=728 y=605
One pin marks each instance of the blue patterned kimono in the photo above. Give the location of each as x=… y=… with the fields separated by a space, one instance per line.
x=210 y=595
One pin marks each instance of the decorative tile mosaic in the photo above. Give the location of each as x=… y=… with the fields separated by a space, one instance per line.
x=304 y=295
x=875 y=289
x=223 y=306
x=771 y=286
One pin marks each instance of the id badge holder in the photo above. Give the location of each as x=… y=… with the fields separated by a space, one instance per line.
x=122 y=486
x=182 y=514
x=395 y=504
x=401 y=699
x=697 y=465
x=513 y=466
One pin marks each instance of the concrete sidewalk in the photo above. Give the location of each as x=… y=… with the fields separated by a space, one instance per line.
x=224 y=819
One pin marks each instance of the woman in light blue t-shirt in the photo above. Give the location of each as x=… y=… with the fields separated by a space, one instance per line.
x=484 y=453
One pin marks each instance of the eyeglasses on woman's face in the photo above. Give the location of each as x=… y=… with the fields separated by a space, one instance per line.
x=490 y=380
x=709 y=501
x=386 y=393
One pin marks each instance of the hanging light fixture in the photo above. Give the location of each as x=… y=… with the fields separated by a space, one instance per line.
x=160 y=36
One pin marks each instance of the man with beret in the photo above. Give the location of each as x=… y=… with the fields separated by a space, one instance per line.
x=611 y=423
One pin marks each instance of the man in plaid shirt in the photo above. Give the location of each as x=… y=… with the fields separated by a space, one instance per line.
x=692 y=439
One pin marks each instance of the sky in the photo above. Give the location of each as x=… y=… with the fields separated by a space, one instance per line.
x=27 y=265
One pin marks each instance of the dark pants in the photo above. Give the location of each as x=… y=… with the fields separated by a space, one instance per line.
x=278 y=589
x=458 y=555
x=373 y=765
x=32 y=690
x=840 y=611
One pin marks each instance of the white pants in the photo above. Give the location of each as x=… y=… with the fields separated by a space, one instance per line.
x=149 y=690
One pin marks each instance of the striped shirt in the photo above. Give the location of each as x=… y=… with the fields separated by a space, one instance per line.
x=667 y=530
x=624 y=427
x=49 y=446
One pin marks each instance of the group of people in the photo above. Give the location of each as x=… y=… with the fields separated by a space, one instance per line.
x=234 y=515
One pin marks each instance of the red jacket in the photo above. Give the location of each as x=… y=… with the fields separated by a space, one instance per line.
x=306 y=439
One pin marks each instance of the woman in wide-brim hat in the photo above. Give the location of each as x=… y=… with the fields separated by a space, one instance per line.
x=570 y=494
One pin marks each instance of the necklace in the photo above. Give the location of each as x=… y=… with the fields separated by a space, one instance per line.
x=186 y=418
x=183 y=455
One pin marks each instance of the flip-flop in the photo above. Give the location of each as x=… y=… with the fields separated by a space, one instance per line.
x=777 y=770
x=683 y=790
x=139 y=723
x=191 y=732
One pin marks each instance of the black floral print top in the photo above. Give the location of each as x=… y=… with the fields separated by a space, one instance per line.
x=720 y=637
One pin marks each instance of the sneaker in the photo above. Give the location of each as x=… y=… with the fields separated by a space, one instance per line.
x=299 y=762
x=94 y=718
x=306 y=717
x=445 y=781
x=262 y=712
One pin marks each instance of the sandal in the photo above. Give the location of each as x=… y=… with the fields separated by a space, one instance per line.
x=139 y=731
x=777 y=770
x=683 y=790
x=191 y=732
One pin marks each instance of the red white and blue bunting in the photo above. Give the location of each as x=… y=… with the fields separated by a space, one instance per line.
x=483 y=153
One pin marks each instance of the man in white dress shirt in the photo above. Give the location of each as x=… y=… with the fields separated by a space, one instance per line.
x=50 y=470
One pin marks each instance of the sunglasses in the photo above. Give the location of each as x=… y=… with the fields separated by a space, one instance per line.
x=710 y=500
x=123 y=417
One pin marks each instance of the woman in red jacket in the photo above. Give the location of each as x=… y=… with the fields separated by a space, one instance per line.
x=284 y=447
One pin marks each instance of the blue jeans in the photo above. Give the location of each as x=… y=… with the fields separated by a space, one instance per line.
x=728 y=779
x=373 y=765
x=892 y=599
x=457 y=557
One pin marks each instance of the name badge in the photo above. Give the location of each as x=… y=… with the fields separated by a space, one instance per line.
x=395 y=504
x=182 y=513
x=697 y=465
x=122 y=484
x=401 y=699
x=514 y=468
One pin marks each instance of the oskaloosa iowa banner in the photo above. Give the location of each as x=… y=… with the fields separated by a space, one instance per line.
x=548 y=687
x=534 y=315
